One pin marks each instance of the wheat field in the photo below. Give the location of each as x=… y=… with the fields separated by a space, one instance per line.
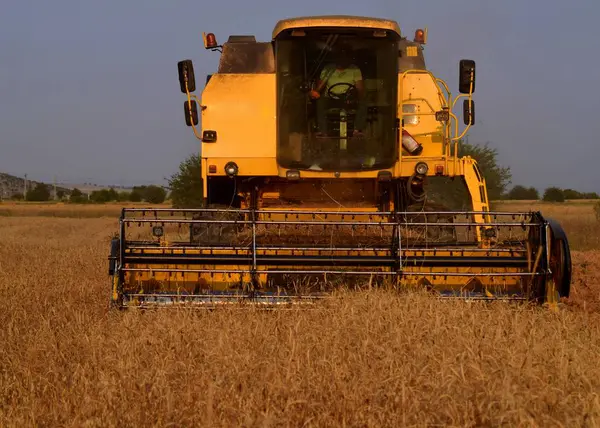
x=370 y=359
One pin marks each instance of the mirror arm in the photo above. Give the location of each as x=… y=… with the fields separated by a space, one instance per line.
x=189 y=97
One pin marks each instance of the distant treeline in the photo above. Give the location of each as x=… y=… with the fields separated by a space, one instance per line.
x=151 y=194
x=42 y=193
x=551 y=194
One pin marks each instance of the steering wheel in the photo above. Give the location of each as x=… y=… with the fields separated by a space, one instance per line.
x=344 y=95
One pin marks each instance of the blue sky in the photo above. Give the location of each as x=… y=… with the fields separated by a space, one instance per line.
x=89 y=90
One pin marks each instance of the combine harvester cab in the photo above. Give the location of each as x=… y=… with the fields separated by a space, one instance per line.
x=316 y=148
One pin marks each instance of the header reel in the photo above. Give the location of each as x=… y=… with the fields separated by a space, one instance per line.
x=211 y=257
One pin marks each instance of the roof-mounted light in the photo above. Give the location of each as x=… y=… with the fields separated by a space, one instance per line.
x=420 y=36
x=210 y=41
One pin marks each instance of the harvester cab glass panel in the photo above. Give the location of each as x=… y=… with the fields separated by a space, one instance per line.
x=337 y=99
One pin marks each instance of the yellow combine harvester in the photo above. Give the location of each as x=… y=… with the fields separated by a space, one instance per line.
x=316 y=149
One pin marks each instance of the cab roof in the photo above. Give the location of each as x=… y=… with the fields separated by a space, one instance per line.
x=336 y=21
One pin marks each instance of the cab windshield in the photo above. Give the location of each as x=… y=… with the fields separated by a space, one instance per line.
x=336 y=99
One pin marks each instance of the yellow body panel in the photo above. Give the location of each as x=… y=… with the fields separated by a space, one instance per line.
x=269 y=167
x=249 y=102
x=247 y=166
x=241 y=108
x=336 y=21
x=419 y=93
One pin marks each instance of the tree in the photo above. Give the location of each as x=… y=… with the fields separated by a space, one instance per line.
x=77 y=196
x=454 y=194
x=60 y=194
x=186 y=185
x=533 y=193
x=523 y=193
x=103 y=196
x=590 y=195
x=154 y=194
x=112 y=194
x=124 y=196
x=572 y=194
x=39 y=193
x=497 y=178
x=135 y=195
x=554 y=194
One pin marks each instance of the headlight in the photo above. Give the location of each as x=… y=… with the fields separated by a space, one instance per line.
x=231 y=169
x=410 y=119
x=421 y=168
x=293 y=174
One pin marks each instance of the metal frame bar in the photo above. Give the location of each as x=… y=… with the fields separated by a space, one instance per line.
x=317 y=213
x=152 y=245
x=339 y=272
x=327 y=223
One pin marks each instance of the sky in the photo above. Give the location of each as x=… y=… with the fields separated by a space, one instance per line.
x=89 y=89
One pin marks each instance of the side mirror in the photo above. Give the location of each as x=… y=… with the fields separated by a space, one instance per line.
x=186 y=75
x=469 y=112
x=466 y=67
x=191 y=118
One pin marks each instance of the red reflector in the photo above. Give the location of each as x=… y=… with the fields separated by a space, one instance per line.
x=212 y=169
x=439 y=169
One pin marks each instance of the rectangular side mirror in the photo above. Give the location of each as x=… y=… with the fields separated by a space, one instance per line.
x=466 y=68
x=186 y=74
x=469 y=112
x=191 y=119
